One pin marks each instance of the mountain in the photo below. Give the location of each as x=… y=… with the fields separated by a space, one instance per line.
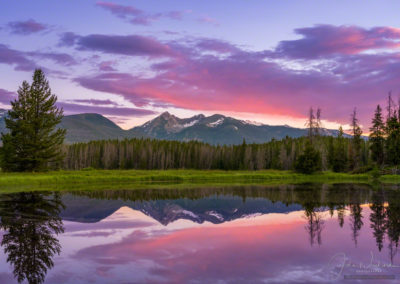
x=84 y=127
x=213 y=209
x=215 y=129
x=90 y=126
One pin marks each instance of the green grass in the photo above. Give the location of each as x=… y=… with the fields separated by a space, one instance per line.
x=119 y=179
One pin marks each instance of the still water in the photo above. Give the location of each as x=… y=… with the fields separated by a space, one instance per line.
x=309 y=233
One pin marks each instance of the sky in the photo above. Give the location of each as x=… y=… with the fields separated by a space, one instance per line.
x=266 y=61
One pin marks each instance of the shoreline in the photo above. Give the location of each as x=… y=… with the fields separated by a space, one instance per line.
x=130 y=179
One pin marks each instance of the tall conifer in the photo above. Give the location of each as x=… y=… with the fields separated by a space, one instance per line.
x=33 y=143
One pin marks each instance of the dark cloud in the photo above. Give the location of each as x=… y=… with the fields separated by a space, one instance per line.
x=26 y=27
x=133 y=45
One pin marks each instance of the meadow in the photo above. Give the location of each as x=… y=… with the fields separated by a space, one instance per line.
x=130 y=179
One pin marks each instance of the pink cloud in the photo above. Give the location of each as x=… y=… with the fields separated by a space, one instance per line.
x=261 y=82
x=251 y=251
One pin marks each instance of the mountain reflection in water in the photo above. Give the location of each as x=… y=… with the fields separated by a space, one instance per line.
x=288 y=233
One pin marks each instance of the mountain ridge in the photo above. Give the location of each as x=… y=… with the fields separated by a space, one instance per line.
x=214 y=129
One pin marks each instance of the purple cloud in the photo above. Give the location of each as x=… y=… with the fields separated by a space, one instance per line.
x=68 y=39
x=107 y=66
x=70 y=108
x=23 y=60
x=26 y=27
x=133 y=45
x=59 y=58
x=325 y=40
x=254 y=82
x=216 y=45
x=137 y=16
x=16 y=58
x=96 y=102
x=117 y=83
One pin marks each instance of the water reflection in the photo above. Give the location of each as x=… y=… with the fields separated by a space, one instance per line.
x=252 y=234
x=31 y=222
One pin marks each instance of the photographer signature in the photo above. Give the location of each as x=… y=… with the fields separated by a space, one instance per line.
x=340 y=261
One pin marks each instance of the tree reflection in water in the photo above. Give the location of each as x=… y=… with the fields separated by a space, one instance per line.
x=356 y=221
x=31 y=223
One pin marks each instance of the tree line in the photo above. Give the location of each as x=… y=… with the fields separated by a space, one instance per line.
x=34 y=143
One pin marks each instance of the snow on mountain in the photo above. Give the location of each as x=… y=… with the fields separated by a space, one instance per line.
x=252 y=122
x=189 y=124
x=216 y=123
x=216 y=215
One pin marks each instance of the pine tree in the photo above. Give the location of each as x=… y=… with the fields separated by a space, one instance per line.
x=392 y=132
x=356 y=142
x=33 y=142
x=339 y=158
x=310 y=123
x=309 y=161
x=377 y=136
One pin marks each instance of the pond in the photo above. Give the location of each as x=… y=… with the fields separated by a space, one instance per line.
x=226 y=234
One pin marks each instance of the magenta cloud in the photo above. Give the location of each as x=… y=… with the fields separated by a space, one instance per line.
x=332 y=67
x=264 y=82
x=26 y=27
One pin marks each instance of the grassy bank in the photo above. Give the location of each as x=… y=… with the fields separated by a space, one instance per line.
x=134 y=178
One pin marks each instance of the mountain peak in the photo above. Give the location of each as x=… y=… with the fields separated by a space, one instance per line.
x=165 y=115
x=199 y=116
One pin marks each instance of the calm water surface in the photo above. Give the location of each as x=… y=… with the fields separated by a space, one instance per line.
x=255 y=234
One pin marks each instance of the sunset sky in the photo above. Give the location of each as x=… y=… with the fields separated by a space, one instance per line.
x=267 y=61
